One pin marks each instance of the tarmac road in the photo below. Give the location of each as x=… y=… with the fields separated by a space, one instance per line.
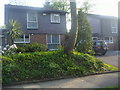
x=111 y=57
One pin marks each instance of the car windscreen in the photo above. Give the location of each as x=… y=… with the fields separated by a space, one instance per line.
x=99 y=43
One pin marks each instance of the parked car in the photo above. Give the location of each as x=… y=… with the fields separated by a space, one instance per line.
x=100 y=47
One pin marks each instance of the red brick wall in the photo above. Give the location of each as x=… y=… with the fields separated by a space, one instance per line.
x=38 y=38
x=41 y=38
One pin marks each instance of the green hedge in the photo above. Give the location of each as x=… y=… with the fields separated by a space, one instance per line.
x=47 y=64
x=31 y=48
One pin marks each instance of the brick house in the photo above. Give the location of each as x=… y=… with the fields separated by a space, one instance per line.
x=40 y=25
x=104 y=28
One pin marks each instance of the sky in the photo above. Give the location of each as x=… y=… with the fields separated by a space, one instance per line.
x=102 y=7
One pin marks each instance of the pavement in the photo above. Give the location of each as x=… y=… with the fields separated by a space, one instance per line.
x=94 y=81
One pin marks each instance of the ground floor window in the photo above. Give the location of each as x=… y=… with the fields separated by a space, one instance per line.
x=108 y=39
x=53 y=41
x=25 y=38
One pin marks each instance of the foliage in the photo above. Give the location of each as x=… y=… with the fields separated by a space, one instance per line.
x=31 y=48
x=84 y=37
x=24 y=48
x=59 y=4
x=12 y=31
x=111 y=68
x=86 y=6
x=17 y=2
x=8 y=50
x=47 y=64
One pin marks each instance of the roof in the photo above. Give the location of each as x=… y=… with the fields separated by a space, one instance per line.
x=102 y=16
x=44 y=9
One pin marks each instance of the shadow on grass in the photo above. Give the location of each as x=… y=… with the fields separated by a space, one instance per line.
x=109 y=88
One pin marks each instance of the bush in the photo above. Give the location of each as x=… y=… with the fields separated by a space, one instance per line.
x=84 y=35
x=31 y=48
x=8 y=50
x=47 y=64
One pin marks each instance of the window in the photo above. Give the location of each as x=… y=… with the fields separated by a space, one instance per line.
x=23 y=39
x=55 y=18
x=53 y=41
x=114 y=27
x=109 y=39
x=94 y=38
x=32 y=20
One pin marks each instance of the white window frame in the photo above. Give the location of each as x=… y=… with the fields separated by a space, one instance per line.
x=113 y=27
x=52 y=18
x=24 y=40
x=109 y=41
x=32 y=21
x=51 y=40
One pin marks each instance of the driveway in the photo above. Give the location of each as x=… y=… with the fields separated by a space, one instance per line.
x=111 y=57
x=94 y=81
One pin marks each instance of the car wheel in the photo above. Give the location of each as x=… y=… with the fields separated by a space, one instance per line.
x=103 y=53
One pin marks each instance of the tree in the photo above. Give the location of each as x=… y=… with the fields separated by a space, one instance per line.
x=47 y=4
x=12 y=31
x=118 y=33
x=17 y=2
x=84 y=39
x=70 y=43
x=58 y=4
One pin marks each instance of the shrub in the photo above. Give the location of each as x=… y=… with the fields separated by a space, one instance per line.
x=8 y=50
x=84 y=35
x=31 y=48
x=47 y=64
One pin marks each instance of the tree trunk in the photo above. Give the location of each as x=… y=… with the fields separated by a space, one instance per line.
x=118 y=34
x=119 y=26
x=70 y=43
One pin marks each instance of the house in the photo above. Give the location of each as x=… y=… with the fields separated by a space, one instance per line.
x=104 y=28
x=3 y=40
x=40 y=25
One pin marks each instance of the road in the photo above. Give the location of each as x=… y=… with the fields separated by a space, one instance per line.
x=111 y=57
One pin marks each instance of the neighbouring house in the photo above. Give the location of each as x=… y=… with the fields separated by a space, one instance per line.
x=104 y=28
x=40 y=25
x=3 y=40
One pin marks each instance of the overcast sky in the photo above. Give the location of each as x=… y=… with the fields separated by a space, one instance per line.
x=102 y=7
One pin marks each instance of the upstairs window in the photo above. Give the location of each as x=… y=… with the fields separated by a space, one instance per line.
x=114 y=27
x=53 y=41
x=55 y=18
x=32 y=20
